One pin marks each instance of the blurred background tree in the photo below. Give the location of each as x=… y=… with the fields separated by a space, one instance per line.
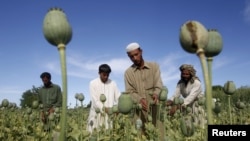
x=29 y=96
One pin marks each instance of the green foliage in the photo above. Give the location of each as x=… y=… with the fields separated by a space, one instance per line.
x=242 y=93
x=25 y=123
x=89 y=105
x=28 y=97
x=217 y=87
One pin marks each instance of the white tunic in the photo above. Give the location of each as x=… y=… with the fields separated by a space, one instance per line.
x=189 y=92
x=112 y=93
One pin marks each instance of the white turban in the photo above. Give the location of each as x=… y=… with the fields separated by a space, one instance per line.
x=132 y=46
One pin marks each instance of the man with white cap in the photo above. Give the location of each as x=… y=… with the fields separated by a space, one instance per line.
x=143 y=81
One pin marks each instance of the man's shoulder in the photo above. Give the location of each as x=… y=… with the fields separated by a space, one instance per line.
x=55 y=85
x=93 y=81
x=131 y=67
x=196 y=81
x=151 y=64
x=113 y=82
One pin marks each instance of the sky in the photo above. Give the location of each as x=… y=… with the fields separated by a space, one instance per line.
x=101 y=31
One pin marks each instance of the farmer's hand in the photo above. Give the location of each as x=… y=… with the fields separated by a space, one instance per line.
x=43 y=117
x=155 y=98
x=173 y=109
x=51 y=110
x=144 y=104
x=105 y=109
x=169 y=103
x=183 y=106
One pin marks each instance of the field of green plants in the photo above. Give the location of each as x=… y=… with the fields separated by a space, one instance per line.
x=24 y=124
x=229 y=108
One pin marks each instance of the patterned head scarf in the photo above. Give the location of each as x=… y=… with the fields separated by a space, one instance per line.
x=192 y=71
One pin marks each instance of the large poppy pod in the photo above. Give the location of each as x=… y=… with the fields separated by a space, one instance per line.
x=193 y=35
x=56 y=27
x=125 y=103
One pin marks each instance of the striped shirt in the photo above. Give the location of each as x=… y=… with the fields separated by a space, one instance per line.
x=143 y=82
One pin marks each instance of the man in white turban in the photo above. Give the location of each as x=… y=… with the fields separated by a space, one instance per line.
x=143 y=81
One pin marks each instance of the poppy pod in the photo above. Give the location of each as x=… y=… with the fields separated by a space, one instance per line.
x=81 y=97
x=229 y=87
x=240 y=105
x=110 y=111
x=56 y=27
x=163 y=94
x=201 y=101
x=176 y=100
x=35 y=104
x=187 y=126
x=125 y=103
x=217 y=107
x=102 y=98
x=28 y=111
x=115 y=108
x=5 y=103
x=215 y=44
x=193 y=35
x=76 y=96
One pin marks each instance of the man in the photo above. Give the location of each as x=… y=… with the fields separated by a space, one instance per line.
x=49 y=95
x=102 y=86
x=189 y=88
x=143 y=81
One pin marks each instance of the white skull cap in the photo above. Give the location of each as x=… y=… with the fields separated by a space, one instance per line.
x=132 y=46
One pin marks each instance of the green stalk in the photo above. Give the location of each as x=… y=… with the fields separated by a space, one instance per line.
x=158 y=114
x=241 y=117
x=61 y=49
x=127 y=128
x=229 y=108
x=158 y=119
x=81 y=121
x=209 y=63
x=200 y=53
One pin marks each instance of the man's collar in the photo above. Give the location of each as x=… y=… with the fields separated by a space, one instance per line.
x=146 y=66
x=49 y=86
